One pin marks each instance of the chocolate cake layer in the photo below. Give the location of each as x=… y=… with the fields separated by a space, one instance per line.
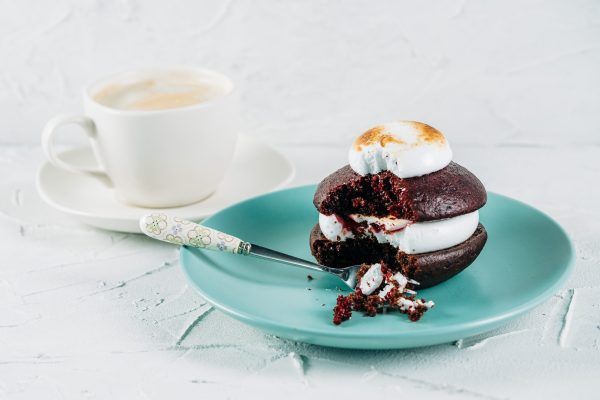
x=429 y=269
x=446 y=193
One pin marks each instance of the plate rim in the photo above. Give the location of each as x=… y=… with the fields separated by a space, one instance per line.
x=481 y=325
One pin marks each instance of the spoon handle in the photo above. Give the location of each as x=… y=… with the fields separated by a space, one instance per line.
x=186 y=233
x=175 y=230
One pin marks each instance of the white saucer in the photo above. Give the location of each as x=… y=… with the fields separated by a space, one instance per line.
x=256 y=168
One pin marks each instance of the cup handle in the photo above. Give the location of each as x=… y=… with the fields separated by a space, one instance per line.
x=50 y=131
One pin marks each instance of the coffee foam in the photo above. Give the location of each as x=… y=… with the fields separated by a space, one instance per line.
x=160 y=90
x=405 y=148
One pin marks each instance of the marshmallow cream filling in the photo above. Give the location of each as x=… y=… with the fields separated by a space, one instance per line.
x=405 y=148
x=409 y=237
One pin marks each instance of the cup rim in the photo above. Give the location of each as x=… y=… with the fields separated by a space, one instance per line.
x=204 y=104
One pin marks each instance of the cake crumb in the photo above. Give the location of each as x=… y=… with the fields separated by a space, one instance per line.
x=395 y=293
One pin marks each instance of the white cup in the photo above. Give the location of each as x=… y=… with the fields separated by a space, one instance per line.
x=157 y=158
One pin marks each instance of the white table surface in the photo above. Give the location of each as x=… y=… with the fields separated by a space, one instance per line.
x=89 y=313
x=514 y=85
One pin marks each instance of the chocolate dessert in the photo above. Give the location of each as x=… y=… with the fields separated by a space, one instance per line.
x=380 y=289
x=403 y=203
x=446 y=193
x=428 y=268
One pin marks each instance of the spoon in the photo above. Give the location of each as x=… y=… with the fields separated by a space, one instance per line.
x=186 y=233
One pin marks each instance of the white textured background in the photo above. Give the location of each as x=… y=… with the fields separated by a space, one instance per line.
x=514 y=84
x=319 y=71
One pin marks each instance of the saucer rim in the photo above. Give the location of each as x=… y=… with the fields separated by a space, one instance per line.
x=198 y=216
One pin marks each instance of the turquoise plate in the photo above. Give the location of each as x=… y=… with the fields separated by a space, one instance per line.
x=526 y=259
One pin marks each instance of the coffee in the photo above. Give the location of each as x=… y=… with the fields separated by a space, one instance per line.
x=160 y=91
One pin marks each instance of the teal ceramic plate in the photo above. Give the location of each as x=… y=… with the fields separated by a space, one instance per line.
x=527 y=258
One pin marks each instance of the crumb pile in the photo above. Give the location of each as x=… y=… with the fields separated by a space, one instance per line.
x=379 y=290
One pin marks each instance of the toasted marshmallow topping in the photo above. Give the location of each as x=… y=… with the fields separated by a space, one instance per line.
x=412 y=238
x=405 y=148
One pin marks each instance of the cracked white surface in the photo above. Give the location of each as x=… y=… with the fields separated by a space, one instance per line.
x=91 y=314
x=100 y=314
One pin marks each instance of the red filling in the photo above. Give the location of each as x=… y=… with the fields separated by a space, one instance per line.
x=359 y=228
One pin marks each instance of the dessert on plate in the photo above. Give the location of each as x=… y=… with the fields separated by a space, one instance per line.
x=381 y=289
x=403 y=203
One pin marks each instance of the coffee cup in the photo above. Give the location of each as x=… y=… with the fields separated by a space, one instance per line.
x=161 y=137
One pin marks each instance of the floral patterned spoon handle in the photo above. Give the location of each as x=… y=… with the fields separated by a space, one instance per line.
x=179 y=231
